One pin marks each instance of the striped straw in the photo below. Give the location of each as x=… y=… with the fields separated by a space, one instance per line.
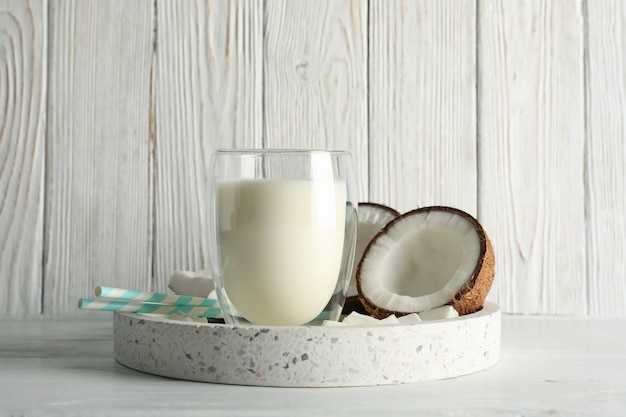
x=143 y=307
x=153 y=297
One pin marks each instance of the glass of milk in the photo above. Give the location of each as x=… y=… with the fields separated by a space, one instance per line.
x=283 y=233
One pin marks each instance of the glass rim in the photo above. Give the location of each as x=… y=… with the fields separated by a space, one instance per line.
x=280 y=151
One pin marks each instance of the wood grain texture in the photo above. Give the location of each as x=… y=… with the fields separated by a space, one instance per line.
x=315 y=78
x=422 y=107
x=99 y=156
x=606 y=157
x=23 y=43
x=109 y=111
x=531 y=153
x=208 y=87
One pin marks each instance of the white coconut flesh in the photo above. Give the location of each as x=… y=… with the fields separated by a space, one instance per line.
x=420 y=261
x=372 y=218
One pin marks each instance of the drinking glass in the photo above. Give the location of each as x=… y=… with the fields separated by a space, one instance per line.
x=282 y=234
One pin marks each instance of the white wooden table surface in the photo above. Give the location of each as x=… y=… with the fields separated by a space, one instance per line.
x=548 y=367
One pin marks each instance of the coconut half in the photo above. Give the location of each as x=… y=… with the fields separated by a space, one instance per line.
x=372 y=218
x=426 y=258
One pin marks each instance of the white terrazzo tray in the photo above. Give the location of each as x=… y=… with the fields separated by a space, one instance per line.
x=315 y=356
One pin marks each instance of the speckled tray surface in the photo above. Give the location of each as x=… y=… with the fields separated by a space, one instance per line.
x=302 y=356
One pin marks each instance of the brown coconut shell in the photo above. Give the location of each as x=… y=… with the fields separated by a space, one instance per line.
x=352 y=304
x=390 y=210
x=470 y=297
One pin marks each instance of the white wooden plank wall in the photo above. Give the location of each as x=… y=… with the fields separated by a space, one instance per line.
x=23 y=45
x=99 y=155
x=532 y=134
x=606 y=157
x=315 y=77
x=422 y=113
x=511 y=110
x=207 y=95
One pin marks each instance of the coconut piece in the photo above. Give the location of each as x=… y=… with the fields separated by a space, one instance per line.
x=358 y=319
x=195 y=284
x=389 y=320
x=439 y=313
x=412 y=318
x=332 y=323
x=426 y=258
x=372 y=218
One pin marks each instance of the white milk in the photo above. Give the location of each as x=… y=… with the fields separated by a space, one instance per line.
x=281 y=244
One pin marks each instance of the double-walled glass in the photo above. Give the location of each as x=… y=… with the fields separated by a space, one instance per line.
x=283 y=232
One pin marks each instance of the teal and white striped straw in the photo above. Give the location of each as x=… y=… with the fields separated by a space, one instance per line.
x=153 y=297
x=144 y=307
